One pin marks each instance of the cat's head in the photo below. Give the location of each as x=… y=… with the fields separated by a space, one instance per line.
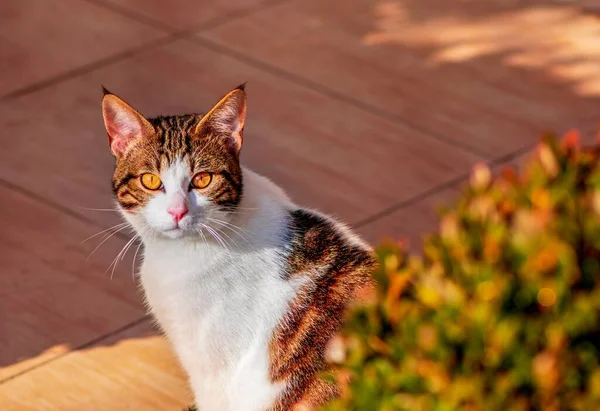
x=176 y=175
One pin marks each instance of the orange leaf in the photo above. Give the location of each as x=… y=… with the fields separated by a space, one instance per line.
x=571 y=141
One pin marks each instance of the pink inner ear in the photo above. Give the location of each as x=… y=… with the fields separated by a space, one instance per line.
x=230 y=120
x=122 y=128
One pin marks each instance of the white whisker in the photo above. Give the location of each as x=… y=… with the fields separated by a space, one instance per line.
x=203 y=236
x=217 y=238
x=106 y=239
x=233 y=229
x=226 y=235
x=123 y=252
x=237 y=210
x=133 y=263
x=231 y=225
x=104 y=231
x=112 y=210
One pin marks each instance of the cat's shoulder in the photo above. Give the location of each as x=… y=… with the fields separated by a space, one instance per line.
x=317 y=230
x=317 y=239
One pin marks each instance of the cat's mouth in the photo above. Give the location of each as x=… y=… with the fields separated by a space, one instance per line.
x=174 y=232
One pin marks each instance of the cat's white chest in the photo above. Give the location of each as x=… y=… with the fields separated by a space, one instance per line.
x=219 y=311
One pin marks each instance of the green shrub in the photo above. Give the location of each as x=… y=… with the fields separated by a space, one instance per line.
x=501 y=311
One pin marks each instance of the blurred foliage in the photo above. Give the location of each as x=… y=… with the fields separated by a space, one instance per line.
x=502 y=310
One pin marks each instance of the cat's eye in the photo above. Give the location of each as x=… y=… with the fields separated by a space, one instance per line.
x=151 y=181
x=201 y=180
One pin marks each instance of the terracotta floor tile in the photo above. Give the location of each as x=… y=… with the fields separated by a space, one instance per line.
x=410 y=223
x=40 y=39
x=51 y=298
x=414 y=221
x=490 y=75
x=132 y=370
x=486 y=75
x=184 y=14
x=325 y=153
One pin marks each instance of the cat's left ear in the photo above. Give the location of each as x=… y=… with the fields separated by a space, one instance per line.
x=123 y=123
x=226 y=119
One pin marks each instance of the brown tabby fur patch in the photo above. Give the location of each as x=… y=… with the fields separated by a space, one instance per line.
x=177 y=137
x=339 y=270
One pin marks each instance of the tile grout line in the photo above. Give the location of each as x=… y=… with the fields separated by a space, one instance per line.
x=77 y=348
x=411 y=200
x=56 y=206
x=326 y=91
x=365 y=221
x=207 y=25
x=440 y=187
x=114 y=332
x=190 y=34
x=383 y=213
x=376 y=216
x=187 y=34
x=131 y=14
x=82 y=70
x=234 y=15
x=87 y=68
x=169 y=37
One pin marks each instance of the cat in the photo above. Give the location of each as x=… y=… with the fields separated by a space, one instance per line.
x=248 y=287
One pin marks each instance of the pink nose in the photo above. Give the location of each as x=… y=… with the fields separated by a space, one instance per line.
x=177 y=212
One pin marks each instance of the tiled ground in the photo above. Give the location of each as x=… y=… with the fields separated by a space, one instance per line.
x=371 y=110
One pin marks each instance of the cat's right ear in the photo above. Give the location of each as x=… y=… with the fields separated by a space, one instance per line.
x=123 y=123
